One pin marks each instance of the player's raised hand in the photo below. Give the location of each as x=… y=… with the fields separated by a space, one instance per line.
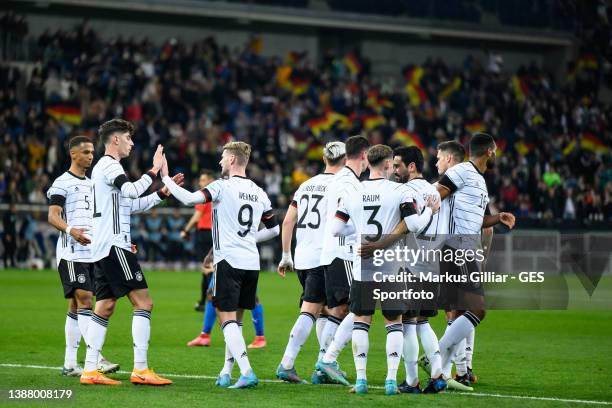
x=158 y=158
x=507 y=219
x=79 y=235
x=164 y=167
x=285 y=265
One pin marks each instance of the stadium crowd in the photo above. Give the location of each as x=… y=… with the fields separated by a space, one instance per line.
x=553 y=137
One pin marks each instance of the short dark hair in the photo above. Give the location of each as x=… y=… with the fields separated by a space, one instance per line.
x=207 y=173
x=355 y=145
x=77 y=140
x=454 y=148
x=114 y=126
x=411 y=154
x=480 y=143
x=379 y=153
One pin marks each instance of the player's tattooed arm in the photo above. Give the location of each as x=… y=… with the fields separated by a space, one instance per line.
x=54 y=218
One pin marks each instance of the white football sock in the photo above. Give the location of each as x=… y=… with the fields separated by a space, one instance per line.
x=73 y=339
x=460 y=363
x=361 y=344
x=469 y=348
x=320 y=326
x=96 y=334
x=236 y=344
x=84 y=317
x=299 y=334
x=228 y=366
x=456 y=332
x=141 y=333
x=411 y=353
x=429 y=340
x=327 y=335
x=341 y=338
x=395 y=341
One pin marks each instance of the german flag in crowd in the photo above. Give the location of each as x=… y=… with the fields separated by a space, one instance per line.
x=475 y=126
x=523 y=148
x=65 y=113
x=584 y=62
x=315 y=152
x=352 y=63
x=407 y=138
x=373 y=121
x=588 y=141
x=287 y=78
x=414 y=74
x=520 y=87
x=327 y=121
x=416 y=94
x=450 y=89
x=377 y=102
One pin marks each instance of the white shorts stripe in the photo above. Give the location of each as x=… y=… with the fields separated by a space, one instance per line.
x=215 y=282
x=124 y=266
x=127 y=265
x=71 y=271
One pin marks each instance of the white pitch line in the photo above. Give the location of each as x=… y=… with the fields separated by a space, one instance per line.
x=208 y=377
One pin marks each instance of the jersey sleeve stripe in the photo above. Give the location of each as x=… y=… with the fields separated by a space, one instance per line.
x=448 y=183
x=344 y=217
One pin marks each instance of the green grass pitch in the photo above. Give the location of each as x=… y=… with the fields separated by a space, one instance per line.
x=553 y=358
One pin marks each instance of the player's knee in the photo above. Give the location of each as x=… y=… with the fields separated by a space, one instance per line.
x=105 y=308
x=144 y=304
x=83 y=299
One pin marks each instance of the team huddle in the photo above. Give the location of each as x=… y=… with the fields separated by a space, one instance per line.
x=340 y=218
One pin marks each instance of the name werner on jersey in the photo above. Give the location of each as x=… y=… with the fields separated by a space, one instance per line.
x=248 y=197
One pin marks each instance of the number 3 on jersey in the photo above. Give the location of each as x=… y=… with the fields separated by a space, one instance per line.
x=372 y=221
x=248 y=222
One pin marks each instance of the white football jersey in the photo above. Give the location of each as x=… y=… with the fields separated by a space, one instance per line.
x=375 y=210
x=75 y=195
x=310 y=201
x=342 y=184
x=468 y=200
x=112 y=209
x=239 y=205
x=422 y=191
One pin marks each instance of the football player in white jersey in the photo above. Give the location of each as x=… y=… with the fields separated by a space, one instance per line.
x=465 y=187
x=375 y=209
x=239 y=206
x=408 y=165
x=116 y=269
x=337 y=259
x=70 y=211
x=308 y=214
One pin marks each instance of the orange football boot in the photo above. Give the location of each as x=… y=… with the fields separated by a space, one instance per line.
x=147 y=377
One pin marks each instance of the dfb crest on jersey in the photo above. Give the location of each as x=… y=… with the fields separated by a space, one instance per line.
x=81 y=278
x=139 y=276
